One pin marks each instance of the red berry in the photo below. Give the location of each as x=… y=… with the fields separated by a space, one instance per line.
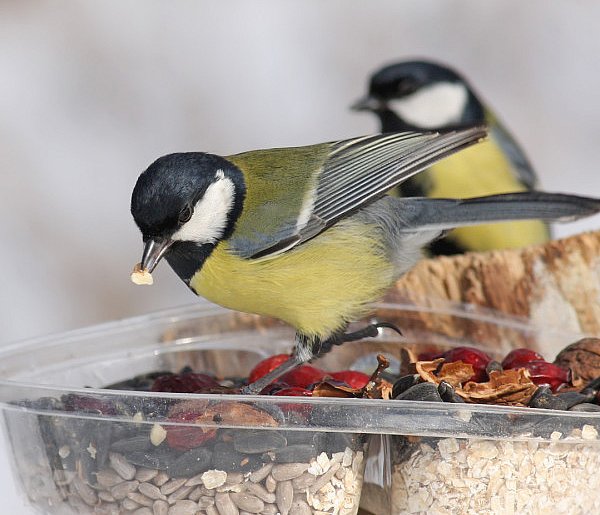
x=272 y=388
x=294 y=391
x=88 y=404
x=542 y=372
x=266 y=365
x=184 y=438
x=352 y=378
x=518 y=357
x=303 y=376
x=189 y=382
x=302 y=410
x=472 y=356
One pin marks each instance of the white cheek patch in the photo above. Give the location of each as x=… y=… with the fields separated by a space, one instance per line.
x=433 y=106
x=209 y=220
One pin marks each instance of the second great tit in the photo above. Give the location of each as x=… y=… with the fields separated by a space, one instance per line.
x=307 y=234
x=423 y=95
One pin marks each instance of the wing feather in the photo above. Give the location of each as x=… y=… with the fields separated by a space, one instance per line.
x=359 y=171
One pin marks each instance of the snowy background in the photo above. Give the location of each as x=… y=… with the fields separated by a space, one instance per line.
x=91 y=93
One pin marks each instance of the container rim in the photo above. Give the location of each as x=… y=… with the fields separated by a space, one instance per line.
x=419 y=418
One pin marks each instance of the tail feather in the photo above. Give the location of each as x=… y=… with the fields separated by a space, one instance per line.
x=441 y=214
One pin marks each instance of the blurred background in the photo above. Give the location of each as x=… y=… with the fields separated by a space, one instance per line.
x=91 y=93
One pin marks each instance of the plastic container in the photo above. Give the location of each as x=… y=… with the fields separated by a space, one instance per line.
x=62 y=462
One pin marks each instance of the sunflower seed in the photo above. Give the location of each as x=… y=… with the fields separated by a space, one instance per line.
x=284 y=496
x=151 y=491
x=302 y=482
x=260 y=474
x=288 y=471
x=183 y=508
x=85 y=492
x=191 y=463
x=295 y=453
x=121 y=490
x=260 y=492
x=129 y=504
x=144 y=474
x=257 y=442
x=160 y=507
x=170 y=486
x=105 y=496
x=141 y=499
x=121 y=466
x=225 y=505
x=161 y=478
x=247 y=502
x=108 y=478
x=270 y=484
x=180 y=493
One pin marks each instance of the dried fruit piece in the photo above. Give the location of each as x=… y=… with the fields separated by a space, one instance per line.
x=511 y=387
x=184 y=438
x=352 y=378
x=472 y=356
x=88 y=404
x=331 y=388
x=266 y=365
x=437 y=370
x=141 y=276
x=189 y=382
x=294 y=391
x=542 y=372
x=303 y=376
x=518 y=357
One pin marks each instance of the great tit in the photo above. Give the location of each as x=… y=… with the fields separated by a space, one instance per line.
x=423 y=95
x=307 y=234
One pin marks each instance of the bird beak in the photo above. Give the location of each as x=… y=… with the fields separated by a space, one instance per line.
x=154 y=250
x=368 y=103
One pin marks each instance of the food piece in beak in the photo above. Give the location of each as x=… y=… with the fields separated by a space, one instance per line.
x=141 y=275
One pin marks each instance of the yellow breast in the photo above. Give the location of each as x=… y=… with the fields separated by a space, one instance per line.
x=477 y=171
x=316 y=287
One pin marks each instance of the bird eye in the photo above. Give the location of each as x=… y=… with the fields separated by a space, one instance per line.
x=406 y=86
x=185 y=214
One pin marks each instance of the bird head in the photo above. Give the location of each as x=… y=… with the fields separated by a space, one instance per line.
x=421 y=95
x=185 y=204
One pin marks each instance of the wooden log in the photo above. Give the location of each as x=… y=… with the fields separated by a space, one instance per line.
x=556 y=286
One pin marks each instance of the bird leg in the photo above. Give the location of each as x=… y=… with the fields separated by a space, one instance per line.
x=307 y=349
x=369 y=331
x=302 y=354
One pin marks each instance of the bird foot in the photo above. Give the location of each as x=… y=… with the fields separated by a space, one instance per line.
x=306 y=350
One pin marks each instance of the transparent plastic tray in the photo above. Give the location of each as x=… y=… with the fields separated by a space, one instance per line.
x=227 y=343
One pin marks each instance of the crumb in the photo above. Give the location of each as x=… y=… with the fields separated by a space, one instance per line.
x=141 y=275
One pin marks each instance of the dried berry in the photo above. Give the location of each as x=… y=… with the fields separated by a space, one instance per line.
x=266 y=365
x=303 y=376
x=88 y=404
x=352 y=378
x=184 y=438
x=472 y=356
x=518 y=357
x=189 y=382
x=542 y=372
x=293 y=391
